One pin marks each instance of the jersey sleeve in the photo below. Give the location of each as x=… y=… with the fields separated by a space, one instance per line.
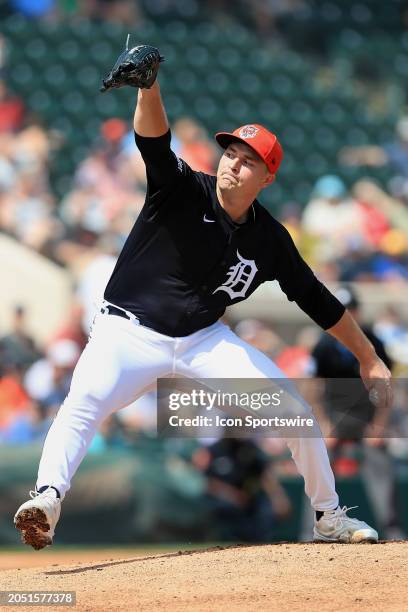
x=163 y=167
x=300 y=284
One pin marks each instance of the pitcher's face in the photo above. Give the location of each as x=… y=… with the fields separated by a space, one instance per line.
x=240 y=168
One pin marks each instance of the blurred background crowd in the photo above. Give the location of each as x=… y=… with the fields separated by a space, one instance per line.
x=331 y=78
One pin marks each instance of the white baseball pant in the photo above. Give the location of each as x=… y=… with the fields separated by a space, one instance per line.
x=122 y=361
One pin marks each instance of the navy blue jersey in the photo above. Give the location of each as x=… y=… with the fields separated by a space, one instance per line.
x=185 y=260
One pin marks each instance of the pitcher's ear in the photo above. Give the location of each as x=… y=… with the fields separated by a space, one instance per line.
x=269 y=179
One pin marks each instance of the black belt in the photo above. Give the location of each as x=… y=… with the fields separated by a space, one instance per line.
x=112 y=310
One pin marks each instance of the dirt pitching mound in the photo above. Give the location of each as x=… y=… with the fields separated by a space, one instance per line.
x=273 y=577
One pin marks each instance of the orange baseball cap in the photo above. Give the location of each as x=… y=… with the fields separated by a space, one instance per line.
x=261 y=140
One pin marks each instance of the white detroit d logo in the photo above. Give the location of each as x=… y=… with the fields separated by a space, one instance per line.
x=241 y=276
x=248 y=131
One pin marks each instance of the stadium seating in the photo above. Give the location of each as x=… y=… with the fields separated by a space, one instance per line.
x=226 y=78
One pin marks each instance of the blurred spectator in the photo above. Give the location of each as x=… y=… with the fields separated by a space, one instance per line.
x=140 y=415
x=27 y=208
x=109 y=435
x=374 y=223
x=31 y=151
x=11 y=110
x=386 y=265
x=28 y=426
x=389 y=326
x=386 y=212
x=382 y=212
x=394 y=153
x=393 y=332
x=332 y=218
x=244 y=497
x=39 y=8
x=94 y=278
x=72 y=327
x=48 y=380
x=31 y=208
x=296 y=361
x=107 y=193
x=349 y=416
x=362 y=238
x=18 y=346
x=259 y=335
x=291 y=217
x=190 y=142
x=14 y=400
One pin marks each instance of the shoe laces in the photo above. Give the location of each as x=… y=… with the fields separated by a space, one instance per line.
x=36 y=493
x=341 y=514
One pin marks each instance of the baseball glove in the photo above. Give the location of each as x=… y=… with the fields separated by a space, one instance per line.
x=136 y=67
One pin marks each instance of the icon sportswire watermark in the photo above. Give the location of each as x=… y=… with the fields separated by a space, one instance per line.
x=272 y=408
x=233 y=407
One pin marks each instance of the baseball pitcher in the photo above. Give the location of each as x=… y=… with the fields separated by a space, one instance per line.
x=200 y=244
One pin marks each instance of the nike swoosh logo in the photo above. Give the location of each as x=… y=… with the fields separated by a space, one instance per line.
x=208 y=220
